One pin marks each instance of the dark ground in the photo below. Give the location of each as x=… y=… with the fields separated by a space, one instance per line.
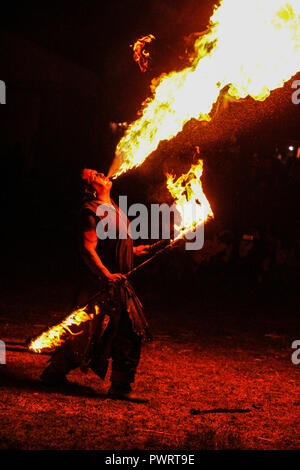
x=211 y=352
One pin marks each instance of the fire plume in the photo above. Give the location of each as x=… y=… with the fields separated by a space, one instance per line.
x=190 y=200
x=251 y=48
x=140 y=55
x=57 y=334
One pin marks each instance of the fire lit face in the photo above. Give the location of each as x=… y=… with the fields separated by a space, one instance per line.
x=99 y=180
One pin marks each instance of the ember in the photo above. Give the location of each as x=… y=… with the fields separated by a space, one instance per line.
x=140 y=55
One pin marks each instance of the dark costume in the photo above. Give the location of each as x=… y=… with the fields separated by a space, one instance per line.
x=118 y=326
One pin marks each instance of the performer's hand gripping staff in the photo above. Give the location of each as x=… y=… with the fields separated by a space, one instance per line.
x=48 y=340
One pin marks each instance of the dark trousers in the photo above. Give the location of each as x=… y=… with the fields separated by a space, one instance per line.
x=119 y=342
x=123 y=345
x=126 y=351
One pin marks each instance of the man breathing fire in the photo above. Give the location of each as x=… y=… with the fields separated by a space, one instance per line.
x=118 y=326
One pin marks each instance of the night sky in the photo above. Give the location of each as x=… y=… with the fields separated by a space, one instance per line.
x=97 y=36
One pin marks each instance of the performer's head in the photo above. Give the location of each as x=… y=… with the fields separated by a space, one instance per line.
x=96 y=185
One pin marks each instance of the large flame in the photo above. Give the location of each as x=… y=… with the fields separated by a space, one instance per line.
x=252 y=47
x=56 y=335
x=190 y=200
x=140 y=55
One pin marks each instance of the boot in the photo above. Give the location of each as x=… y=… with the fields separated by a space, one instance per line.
x=51 y=376
x=124 y=392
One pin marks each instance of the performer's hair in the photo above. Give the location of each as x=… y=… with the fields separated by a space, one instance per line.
x=87 y=189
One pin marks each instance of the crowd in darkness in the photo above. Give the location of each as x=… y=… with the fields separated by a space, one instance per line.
x=253 y=243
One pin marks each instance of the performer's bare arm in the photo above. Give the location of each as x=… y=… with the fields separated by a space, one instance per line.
x=89 y=254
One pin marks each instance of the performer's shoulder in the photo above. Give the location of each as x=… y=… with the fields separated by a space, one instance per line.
x=87 y=214
x=89 y=206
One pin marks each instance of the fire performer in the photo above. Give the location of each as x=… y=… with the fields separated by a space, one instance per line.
x=118 y=326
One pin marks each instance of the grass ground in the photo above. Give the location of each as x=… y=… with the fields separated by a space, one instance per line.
x=234 y=368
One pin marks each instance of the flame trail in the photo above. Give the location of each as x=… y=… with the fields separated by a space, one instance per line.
x=139 y=54
x=190 y=200
x=252 y=47
x=57 y=334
